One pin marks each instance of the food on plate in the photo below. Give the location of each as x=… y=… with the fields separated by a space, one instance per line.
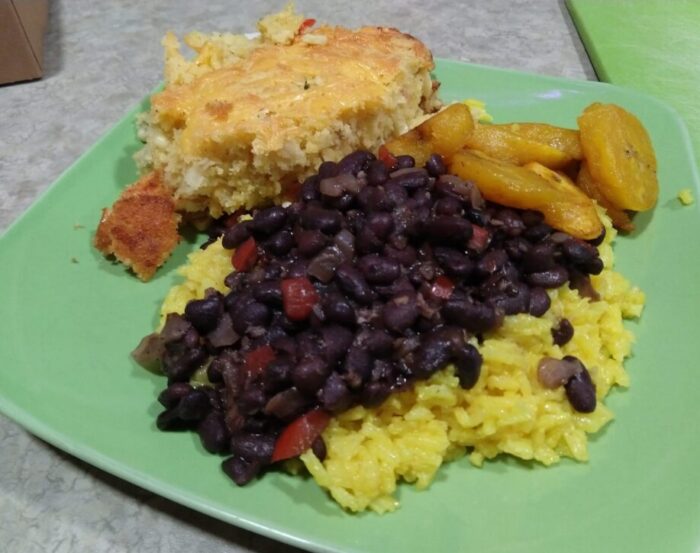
x=685 y=196
x=141 y=228
x=586 y=182
x=444 y=133
x=243 y=133
x=248 y=118
x=620 y=156
x=386 y=322
x=624 y=178
x=564 y=205
x=520 y=144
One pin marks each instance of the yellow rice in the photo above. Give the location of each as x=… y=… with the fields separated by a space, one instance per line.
x=410 y=435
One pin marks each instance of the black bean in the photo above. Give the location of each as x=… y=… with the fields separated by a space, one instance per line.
x=510 y=222
x=378 y=269
x=395 y=194
x=309 y=190
x=381 y=224
x=285 y=344
x=580 y=391
x=537 y=232
x=172 y=395
x=563 y=332
x=448 y=206
x=251 y=314
x=169 y=420
x=335 y=341
x=253 y=447
x=435 y=165
x=216 y=368
x=268 y=221
x=400 y=313
x=287 y=404
x=337 y=309
x=409 y=178
x=453 y=261
x=355 y=162
x=491 y=263
x=357 y=367
x=372 y=198
x=405 y=161
x=517 y=301
x=240 y=470
x=310 y=242
x=277 y=374
x=583 y=255
x=551 y=278
x=251 y=400
x=328 y=221
x=178 y=363
x=467 y=360
x=343 y=202
x=516 y=248
x=279 y=243
x=367 y=242
x=269 y=293
x=539 y=258
x=204 y=314
x=477 y=216
x=327 y=169
x=335 y=395
x=377 y=173
x=405 y=257
x=310 y=374
x=213 y=433
x=319 y=448
x=539 y=301
x=433 y=354
x=353 y=283
x=598 y=240
x=449 y=228
x=194 y=406
x=374 y=394
x=378 y=342
x=236 y=235
x=474 y=316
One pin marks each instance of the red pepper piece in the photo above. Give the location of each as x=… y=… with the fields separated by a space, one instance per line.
x=442 y=287
x=305 y=25
x=298 y=298
x=257 y=359
x=298 y=436
x=245 y=256
x=480 y=238
x=386 y=157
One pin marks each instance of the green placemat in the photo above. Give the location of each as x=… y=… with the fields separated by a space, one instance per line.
x=649 y=45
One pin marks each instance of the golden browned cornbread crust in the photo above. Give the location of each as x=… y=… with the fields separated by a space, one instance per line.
x=236 y=136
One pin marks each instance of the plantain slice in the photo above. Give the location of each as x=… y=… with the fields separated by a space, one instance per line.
x=567 y=141
x=444 y=133
x=620 y=156
x=563 y=205
x=620 y=219
x=498 y=141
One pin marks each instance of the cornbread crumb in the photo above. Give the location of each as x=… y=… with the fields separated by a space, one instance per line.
x=686 y=197
x=140 y=229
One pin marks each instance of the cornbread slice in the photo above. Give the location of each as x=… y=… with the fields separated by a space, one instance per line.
x=140 y=229
x=243 y=134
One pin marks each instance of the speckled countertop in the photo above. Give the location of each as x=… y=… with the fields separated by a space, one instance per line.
x=100 y=58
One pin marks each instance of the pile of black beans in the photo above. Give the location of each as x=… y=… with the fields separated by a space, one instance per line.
x=408 y=268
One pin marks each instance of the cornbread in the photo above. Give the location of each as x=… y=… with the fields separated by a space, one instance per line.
x=247 y=119
x=412 y=433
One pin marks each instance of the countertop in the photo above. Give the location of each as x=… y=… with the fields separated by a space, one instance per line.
x=101 y=58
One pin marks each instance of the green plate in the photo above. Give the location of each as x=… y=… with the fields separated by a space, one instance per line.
x=70 y=318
